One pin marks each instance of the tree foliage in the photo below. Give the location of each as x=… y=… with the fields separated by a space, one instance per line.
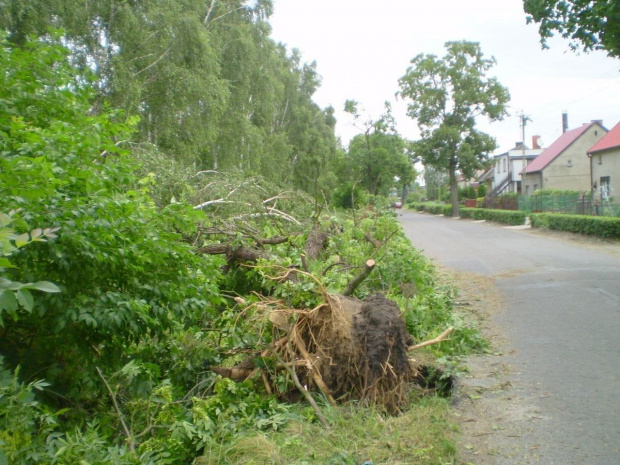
x=62 y=170
x=446 y=96
x=209 y=86
x=589 y=25
x=378 y=158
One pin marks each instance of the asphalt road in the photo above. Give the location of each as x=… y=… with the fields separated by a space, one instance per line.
x=561 y=316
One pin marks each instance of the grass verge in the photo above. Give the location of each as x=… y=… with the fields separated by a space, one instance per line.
x=423 y=435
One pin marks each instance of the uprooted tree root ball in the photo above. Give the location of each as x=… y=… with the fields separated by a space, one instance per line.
x=360 y=349
x=346 y=348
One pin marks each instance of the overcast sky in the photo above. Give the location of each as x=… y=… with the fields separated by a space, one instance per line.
x=363 y=47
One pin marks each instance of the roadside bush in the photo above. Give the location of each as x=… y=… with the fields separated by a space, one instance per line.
x=432 y=208
x=513 y=217
x=600 y=226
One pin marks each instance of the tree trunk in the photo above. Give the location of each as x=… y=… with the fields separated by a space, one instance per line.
x=454 y=193
x=403 y=197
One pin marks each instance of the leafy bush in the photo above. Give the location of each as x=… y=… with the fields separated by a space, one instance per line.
x=606 y=227
x=345 y=195
x=468 y=192
x=513 y=217
x=433 y=208
x=482 y=190
x=560 y=192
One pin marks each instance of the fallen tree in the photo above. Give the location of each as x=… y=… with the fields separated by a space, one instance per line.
x=346 y=348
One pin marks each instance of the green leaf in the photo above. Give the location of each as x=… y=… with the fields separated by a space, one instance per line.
x=22 y=240
x=8 y=301
x=44 y=286
x=25 y=299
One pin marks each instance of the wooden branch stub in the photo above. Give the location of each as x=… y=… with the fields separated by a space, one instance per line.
x=439 y=338
x=355 y=282
x=376 y=242
x=304 y=263
x=233 y=253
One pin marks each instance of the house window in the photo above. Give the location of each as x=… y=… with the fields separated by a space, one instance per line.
x=527 y=189
x=535 y=187
x=605 y=187
x=504 y=165
x=600 y=159
x=570 y=163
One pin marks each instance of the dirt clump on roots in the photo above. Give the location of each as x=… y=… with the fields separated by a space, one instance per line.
x=360 y=349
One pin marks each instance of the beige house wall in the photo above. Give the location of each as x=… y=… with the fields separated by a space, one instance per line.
x=571 y=169
x=607 y=164
x=532 y=183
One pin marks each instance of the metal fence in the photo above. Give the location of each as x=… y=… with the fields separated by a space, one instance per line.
x=575 y=204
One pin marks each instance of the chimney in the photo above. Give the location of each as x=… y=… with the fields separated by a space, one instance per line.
x=536 y=142
x=564 y=122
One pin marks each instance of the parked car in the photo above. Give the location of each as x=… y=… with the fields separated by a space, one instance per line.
x=397 y=205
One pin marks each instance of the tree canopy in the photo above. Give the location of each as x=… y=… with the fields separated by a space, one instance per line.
x=589 y=25
x=378 y=157
x=209 y=86
x=446 y=96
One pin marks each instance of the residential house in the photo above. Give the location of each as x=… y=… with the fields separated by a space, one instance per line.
x=565 y=163
x=605 y=165
x=508 y=167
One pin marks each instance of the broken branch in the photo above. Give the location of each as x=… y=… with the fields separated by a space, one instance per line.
x=439 y=338
x=130 y=440
x=301 y=389
x=355 y=282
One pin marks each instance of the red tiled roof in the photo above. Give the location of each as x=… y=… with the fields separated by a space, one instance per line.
x=609 y=141
x=555 y=149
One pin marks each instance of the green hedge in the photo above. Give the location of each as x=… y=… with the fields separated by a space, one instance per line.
x=433 y=208
x=501 y=216
x=600 y=226
x=513 y=217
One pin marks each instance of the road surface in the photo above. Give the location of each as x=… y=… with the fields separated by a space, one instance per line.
x=561 y=320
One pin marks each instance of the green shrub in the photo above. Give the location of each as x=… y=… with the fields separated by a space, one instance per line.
x=468 y=192
x=600 y=226
x=344 y=196
x=513 y=217
x=433 y=208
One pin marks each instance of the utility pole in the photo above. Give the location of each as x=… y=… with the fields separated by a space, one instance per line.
x=524 y=120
